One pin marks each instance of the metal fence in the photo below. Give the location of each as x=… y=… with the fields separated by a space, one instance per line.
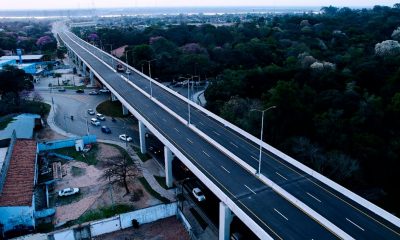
x=70 y=142
x=7 y=160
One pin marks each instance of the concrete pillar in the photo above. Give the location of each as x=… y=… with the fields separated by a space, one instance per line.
x=84 y=69
x=79 y=64
x=91 y=77
x=225 y=219
x=125 y=111
x=168 y=156
x=113 y=98
x=142 y=137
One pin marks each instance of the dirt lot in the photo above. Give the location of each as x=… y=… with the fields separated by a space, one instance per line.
x=48 y=134
x=95 y=192
x=165 y=229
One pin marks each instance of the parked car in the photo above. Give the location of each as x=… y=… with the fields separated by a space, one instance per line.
x=128 y=71
x=198 y=194
x=91 y=112
x=104 y=90
x=100 y=117
x=68 y=192
x=80 y=90
x=125 y=137
x=61 y=89
x=95 y=122
x=105 y=129
x=93 y=93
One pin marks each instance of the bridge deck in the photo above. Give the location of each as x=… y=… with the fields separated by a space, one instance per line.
x=271 y=211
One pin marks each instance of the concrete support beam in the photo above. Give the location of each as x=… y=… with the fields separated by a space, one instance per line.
x=225 y=219
x=168 y=156
x=113 y=98
x=84 y=69
x=142 y=137
x=124 y=110
x=91 y=77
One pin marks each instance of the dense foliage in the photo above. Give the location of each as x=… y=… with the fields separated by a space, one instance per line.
x=15 y=87
x=334 y=77
x=30 y=36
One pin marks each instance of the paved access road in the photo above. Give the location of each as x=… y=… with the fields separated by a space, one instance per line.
x=342 y=211
x=70 y=103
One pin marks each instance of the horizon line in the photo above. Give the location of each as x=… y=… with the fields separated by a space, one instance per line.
x=158 y=7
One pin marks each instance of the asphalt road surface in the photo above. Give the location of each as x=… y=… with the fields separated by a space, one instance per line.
x=70 y=103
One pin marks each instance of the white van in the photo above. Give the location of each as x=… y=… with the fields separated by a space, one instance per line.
x=95 y=122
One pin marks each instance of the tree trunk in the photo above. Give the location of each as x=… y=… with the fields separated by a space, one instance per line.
x=126 y=186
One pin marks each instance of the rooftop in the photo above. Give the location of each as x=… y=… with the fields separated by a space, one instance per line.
x=18 y=187
x=24 y=57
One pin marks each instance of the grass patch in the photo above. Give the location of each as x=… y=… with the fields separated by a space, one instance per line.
x=5 y=122
x=143 y=157
x=150 y=190
x=110 y=108
x=90 y=157
x=76 y=171
x=161 y=181
x=199 y=219
x=104 y=212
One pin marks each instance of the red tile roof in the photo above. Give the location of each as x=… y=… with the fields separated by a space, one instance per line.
x=18 y=187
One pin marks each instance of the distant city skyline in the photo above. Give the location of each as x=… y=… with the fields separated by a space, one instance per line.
x=81 y=4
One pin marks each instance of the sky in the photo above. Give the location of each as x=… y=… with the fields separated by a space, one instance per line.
x=73 y=4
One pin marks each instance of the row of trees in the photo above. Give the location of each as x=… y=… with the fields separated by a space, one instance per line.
x=31 y=36
x=335 y=79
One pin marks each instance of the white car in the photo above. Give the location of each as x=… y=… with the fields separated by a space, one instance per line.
x=128 y=71
x=104 y=90
x=198 y=194
x=100 y=117
x=91 y=112
x=125 y=137
x=68 y=192
x=95 y=122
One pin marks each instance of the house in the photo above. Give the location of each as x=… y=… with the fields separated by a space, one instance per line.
x=18 y=176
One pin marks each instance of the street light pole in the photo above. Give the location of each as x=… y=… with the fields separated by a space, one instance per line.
x=126 y=61
x=189 y=99
x=151 y=88
x=261 y=137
